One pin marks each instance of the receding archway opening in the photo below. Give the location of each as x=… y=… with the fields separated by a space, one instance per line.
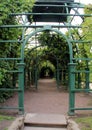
x=48 y=57
x=46 y=72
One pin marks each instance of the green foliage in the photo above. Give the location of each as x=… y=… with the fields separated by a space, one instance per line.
x=87 y=24
x=2 y=73
x=83 y=50
x=56 y=45
x=87 y=35
x=10 y=50
x=47 y=64
x=2 y=118
x=12 y=6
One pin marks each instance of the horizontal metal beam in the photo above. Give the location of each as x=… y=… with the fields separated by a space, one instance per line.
x=67 y=2
x=17 y=41
x=10 y=58
x=39 y=26
x=10 y=107
x=82 y=71
x=8 y=89
x=11 y=41
x=55 y=14
x=14 y=71
x=81 y=108
x=80 y=41
x=49 y=5
x=81 y=90
x=85 y=59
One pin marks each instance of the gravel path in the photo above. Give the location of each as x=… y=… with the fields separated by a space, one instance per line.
x=48 y=99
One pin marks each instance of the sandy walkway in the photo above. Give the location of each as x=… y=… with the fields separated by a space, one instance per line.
x=48 y=99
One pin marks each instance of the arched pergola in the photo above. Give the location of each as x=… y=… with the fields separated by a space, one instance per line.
x=65 y=17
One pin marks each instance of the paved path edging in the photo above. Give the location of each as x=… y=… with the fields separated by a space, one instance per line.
x=18 y=124
x=72 y=125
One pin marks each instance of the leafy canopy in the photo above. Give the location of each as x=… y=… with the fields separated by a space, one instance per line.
x=12 y=6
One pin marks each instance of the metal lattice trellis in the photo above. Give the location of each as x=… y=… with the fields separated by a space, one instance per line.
x=53 y=11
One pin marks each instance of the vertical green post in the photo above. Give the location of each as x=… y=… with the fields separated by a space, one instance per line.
x=71 y=87
x=36 y=77
x=21 y=87
x=79 y=80
x=61 y=76
x=57 y=78
x=57 y=74
x=87 y=78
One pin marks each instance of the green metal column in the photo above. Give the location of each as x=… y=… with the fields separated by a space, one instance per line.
x=79 y=80
x=36 y=77
x=21 y=87
x=57 y=78
x=87 y=78
x=57 y=74
x=71 y=88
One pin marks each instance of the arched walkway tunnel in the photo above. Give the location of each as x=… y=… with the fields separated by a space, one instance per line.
x=69 y=53
x=48 y=58
x=47 y=72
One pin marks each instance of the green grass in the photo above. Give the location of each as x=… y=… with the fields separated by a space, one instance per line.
x=85 y=123
x=2 y=118
x=6 y=118
x=6 y=129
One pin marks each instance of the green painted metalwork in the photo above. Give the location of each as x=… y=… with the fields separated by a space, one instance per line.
x=36 y=68
x=80 y=41
x=54 y=30
x=87 y=78
x=17 y=59
x=21 y=86
x=70 y=41
x=57 y=77
x=79 y=80
x=81 y=108
x=10 y=107
x=39 y=26
x=61 y=14
x=4 y=89
x=81 y=90
x=71 y=6
x=83 y=59
x=11 y=41
x=36 y=77
x=14 y=71
x=71 y=87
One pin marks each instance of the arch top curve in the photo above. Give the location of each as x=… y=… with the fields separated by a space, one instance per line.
x=45 y=28
x=48 y=28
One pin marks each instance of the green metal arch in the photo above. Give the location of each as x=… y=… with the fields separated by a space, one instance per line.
x=39 y=56
x=55 y=57
x=38 y=47
x=49 y=29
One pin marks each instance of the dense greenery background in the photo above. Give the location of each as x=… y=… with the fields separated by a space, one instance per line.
x=10 y=50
